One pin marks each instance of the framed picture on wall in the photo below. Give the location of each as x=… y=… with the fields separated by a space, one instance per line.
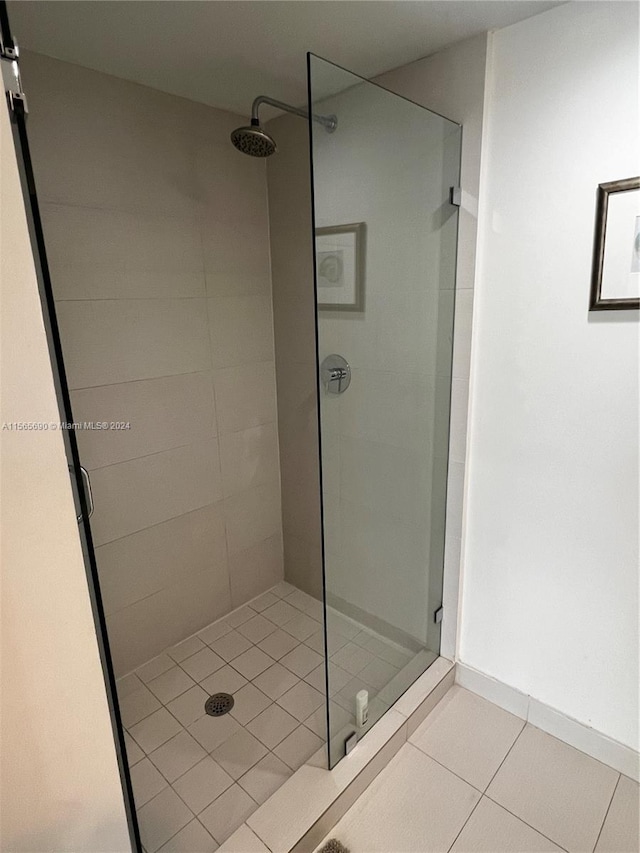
x=615 y=276
x=340 y=253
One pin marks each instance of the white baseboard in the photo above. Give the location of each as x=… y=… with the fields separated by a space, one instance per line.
x=622 y=758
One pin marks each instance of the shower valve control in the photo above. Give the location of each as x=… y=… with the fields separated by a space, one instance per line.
x=335 y=374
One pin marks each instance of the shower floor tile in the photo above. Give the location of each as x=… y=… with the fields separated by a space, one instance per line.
x=275 y=681
x=197 y=777
x=265 y=778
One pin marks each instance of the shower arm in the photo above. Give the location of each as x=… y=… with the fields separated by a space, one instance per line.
x=328 y=122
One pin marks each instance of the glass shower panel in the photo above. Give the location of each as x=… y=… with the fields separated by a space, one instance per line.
x=385 y=249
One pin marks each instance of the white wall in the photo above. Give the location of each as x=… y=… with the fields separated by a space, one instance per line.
x=157 y=236
x=550 y=598
x=59 y=779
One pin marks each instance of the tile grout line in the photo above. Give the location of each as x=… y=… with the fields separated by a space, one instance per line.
x=221 y=500
x=216 y=415
x=226 y=663
x=148 y=456
x=210 y=755
x=169 y=785
x=201 y=370
x=485 y=794
x=131 y=381
x=516 y=739
x=522 y=820
x=142 y=529
x=257 y=292
x=197 y=633
x=102 y=299
x=606 y=814
x=178 y=664
x=144 y=598
x=482 y=793
x=243 y=726
x=444 y=766
x=405 y=742
x=620 y=774
x=465 y=823
x=196 y=815
x=199 y=683
x=300 y=723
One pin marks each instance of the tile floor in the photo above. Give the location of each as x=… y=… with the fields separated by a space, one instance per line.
x=197 y=778
x=475 y=779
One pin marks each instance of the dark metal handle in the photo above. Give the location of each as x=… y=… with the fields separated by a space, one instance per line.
x=86 y=486
x=87 y=491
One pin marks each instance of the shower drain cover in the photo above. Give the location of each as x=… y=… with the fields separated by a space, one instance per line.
x=219 y=704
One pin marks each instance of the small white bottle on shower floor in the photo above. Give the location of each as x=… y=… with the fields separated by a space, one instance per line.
x=362 y=708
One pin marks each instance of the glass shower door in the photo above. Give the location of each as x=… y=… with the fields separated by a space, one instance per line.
x=385 y=249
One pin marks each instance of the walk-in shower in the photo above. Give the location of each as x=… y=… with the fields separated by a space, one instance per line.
x=256 y=142
x=272 y=337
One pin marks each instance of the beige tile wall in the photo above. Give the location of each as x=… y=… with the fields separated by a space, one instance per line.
x=157 y=239
x=294 y=325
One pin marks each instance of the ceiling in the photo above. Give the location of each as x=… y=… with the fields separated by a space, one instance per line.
x=225 y=52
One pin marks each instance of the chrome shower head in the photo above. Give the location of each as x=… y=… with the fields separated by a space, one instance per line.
x=253 y=140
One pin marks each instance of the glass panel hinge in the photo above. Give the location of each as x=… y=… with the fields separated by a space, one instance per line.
x=455 y=196
x=437 y=616
x=11 y=78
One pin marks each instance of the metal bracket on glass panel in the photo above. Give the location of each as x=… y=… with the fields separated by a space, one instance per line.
x=350 y=743
x=11 y=77
x=455 y=196
x=437 y=616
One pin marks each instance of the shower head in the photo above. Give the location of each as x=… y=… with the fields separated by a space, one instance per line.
x=253 y=140
x=256 y=142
